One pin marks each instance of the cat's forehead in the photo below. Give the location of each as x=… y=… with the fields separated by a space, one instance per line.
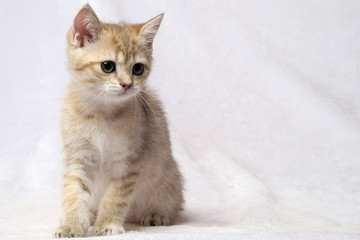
x=122 y=39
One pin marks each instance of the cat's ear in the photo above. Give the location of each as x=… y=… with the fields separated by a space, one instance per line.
x=149 y=30
x=86 y=26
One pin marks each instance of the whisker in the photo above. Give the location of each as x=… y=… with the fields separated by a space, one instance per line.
x=142 y=97
x=146 y=110
x=136 y=111
x=88 y=106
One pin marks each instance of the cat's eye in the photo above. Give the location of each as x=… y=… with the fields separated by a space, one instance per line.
x=138 y=69
x=108 y=66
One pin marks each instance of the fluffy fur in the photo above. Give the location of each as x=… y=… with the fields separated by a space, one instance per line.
x=119 y=164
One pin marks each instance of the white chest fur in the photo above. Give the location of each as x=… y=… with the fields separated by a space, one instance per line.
x=112 y=148
x=101 y=138
x=114 y=144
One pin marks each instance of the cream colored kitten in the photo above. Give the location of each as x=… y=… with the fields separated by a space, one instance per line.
x=119 y=165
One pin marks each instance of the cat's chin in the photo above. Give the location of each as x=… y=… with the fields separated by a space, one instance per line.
x=122 y=95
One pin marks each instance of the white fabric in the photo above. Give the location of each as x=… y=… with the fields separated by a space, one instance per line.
x=263 y=98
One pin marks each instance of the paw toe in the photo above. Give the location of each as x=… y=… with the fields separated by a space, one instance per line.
x=154 y=220
x=108 y=229
x=67 y=232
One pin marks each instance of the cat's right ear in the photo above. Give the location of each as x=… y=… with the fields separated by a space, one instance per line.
x=86 y=27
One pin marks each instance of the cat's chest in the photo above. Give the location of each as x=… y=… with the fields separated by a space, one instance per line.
x=109 y=139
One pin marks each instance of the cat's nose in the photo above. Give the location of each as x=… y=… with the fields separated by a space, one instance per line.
x=126 y=86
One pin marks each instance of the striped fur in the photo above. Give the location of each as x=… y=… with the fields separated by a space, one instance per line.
x=118 y=161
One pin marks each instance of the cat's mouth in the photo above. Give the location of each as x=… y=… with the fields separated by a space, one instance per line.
x=121 y=93
x=116 y=92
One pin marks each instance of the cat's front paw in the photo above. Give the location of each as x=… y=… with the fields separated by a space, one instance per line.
x=65 y=231
x=107 y=229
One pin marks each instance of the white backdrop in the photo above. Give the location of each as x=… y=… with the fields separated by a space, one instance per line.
x=263 y=98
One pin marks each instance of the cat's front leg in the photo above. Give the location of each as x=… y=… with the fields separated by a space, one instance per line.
x=75 y=220
x=114 y=206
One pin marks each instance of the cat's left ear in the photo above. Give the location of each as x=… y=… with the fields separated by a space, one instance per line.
x=149 y=30
x=86 y=26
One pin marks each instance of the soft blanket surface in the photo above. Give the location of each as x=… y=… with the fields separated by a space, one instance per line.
x=263 y=99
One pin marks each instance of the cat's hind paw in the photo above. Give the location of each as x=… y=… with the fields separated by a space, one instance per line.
x=154 y=219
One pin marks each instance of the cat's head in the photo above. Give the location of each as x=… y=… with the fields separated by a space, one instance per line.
x=109 y=61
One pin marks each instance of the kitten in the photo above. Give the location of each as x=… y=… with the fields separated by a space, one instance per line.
x=119 y=164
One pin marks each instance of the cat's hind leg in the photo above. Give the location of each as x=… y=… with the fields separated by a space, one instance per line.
x=159 y=204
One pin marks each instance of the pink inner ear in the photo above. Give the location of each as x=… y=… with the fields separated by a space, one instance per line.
x=151 y=36
x=85 y=26
x=150 y=29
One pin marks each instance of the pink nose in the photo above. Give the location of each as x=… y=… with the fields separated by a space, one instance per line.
x=126 y=86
